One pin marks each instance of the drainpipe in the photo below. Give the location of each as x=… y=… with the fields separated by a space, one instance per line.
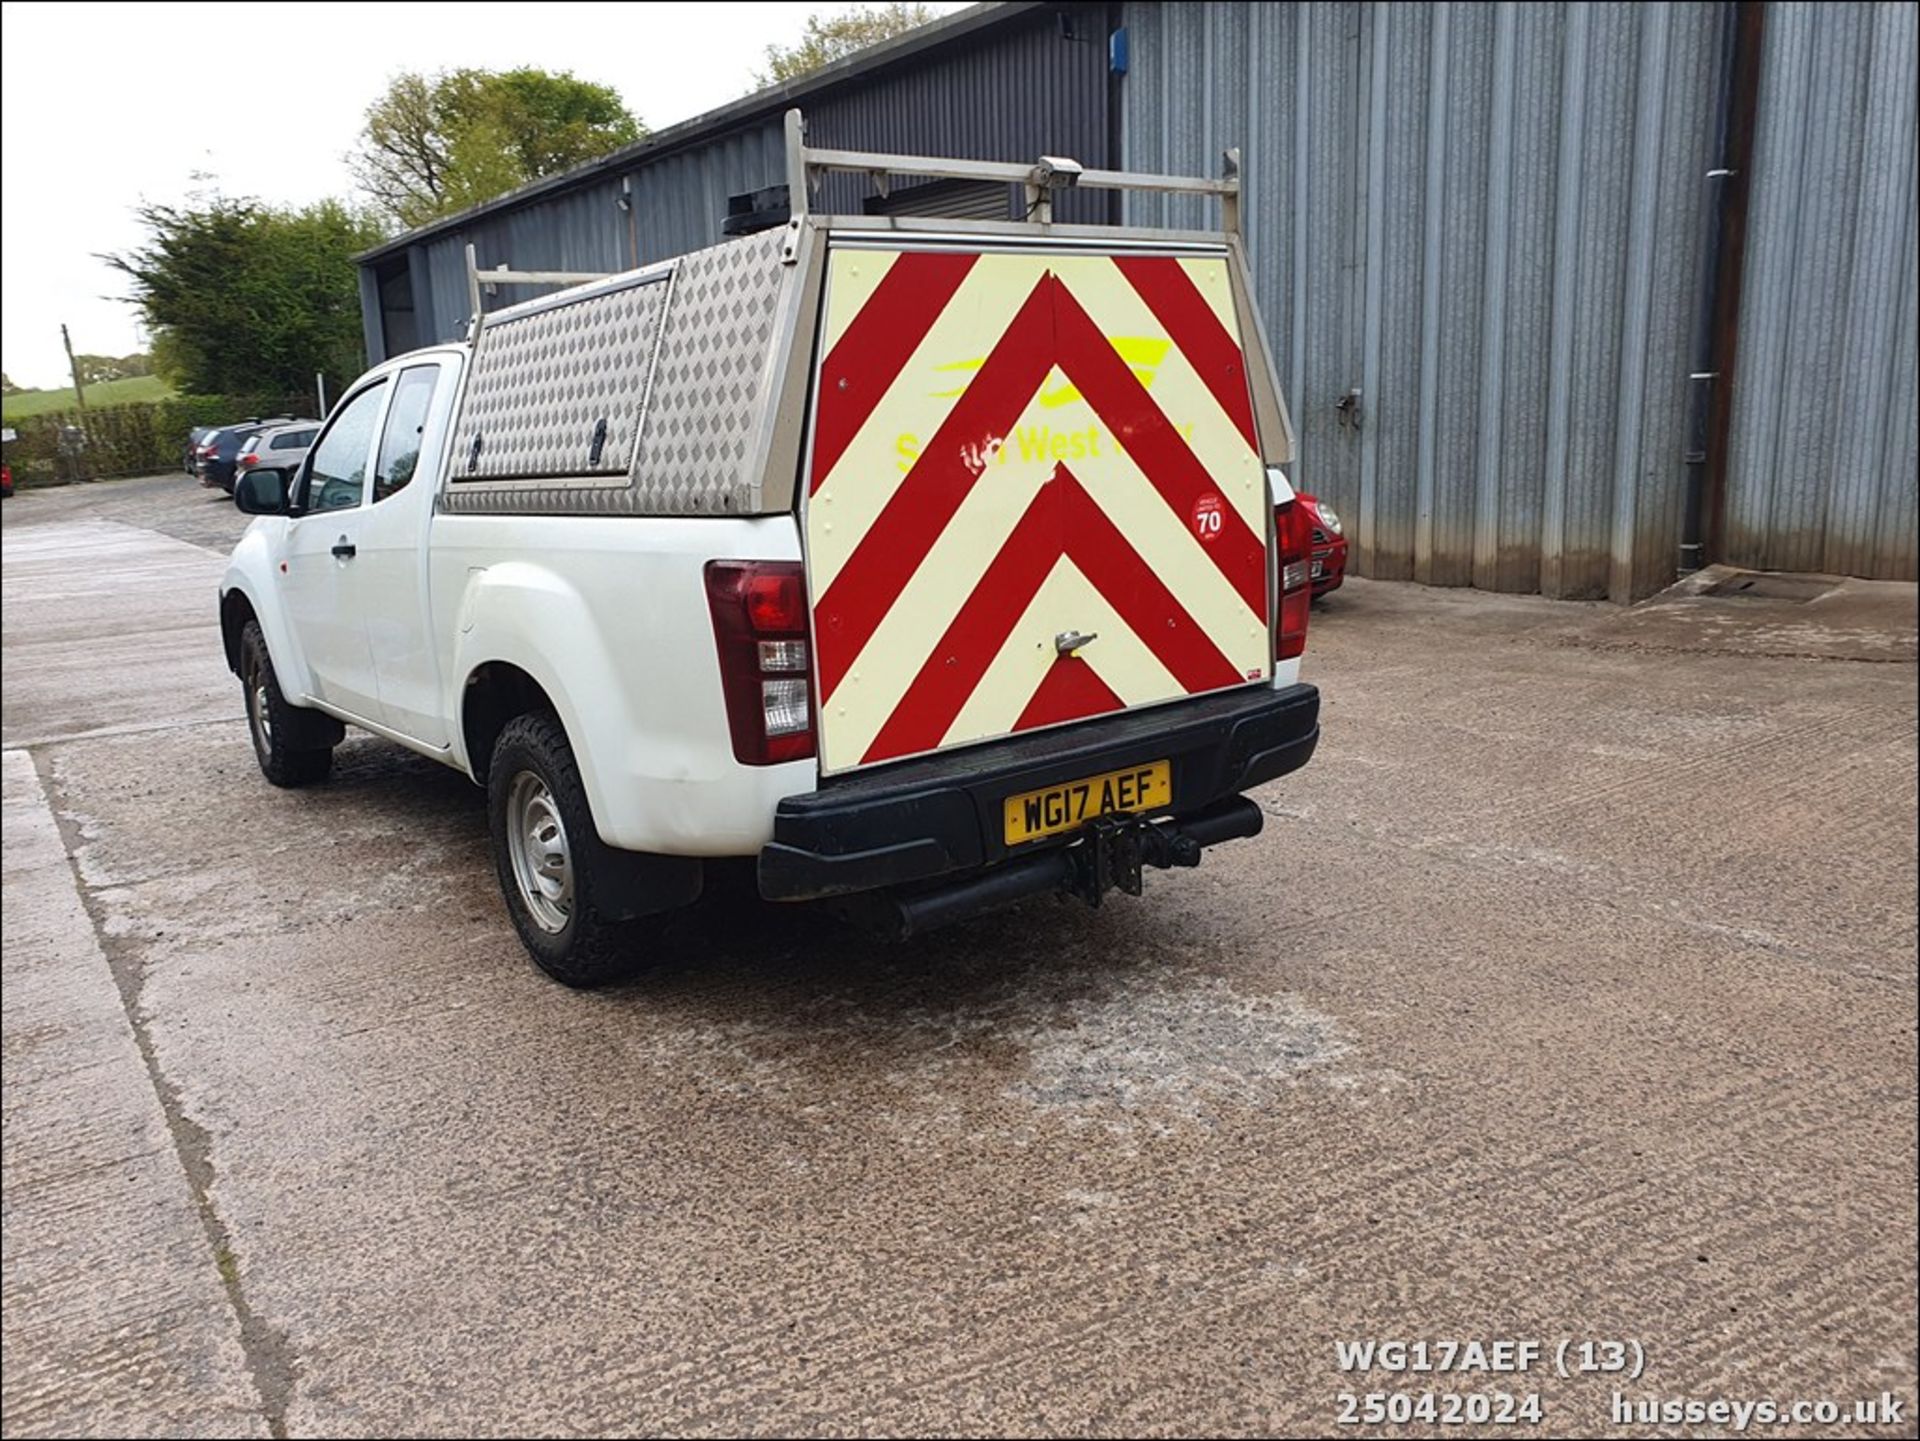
x=625 y=202
x=1117 y=58
x=1716 y=327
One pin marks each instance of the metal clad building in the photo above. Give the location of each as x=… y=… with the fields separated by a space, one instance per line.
x=1477 y=232
x=1825 y=447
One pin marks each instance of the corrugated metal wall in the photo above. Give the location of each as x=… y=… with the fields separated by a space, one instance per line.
x=683 y=196
x=1486 y=220
x=1035 y=86
x=580 y=229
x=1825 y=459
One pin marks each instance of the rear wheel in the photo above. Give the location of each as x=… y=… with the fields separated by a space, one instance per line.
x=548 y=853
x=277 y=726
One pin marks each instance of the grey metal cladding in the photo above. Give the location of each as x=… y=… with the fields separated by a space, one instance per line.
x=696 y=449
x=1483 y=222
x=557 y=391
x=1821 y=463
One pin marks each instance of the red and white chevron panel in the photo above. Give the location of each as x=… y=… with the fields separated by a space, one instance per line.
x=1013 y=446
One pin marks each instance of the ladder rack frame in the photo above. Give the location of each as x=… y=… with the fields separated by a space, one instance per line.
x=1042 y=179
x=807 y=164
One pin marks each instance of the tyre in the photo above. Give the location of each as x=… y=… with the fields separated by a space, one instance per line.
x=284 y=734
x=548 y=854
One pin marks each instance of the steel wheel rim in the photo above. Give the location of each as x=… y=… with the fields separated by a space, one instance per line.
x=537 y=847
x=259 y=713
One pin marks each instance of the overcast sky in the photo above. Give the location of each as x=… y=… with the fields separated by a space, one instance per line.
x=105 y=105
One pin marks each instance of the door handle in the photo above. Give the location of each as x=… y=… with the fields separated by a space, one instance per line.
x=343 y=549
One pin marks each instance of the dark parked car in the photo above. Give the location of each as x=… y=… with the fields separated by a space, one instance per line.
x=204 y=439
x=221 y=448
x=190 y=462
x=207 y=442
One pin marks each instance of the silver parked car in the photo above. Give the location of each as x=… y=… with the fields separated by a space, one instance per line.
x=285 y=445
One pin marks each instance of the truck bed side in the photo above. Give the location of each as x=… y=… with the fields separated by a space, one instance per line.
x=609 y=617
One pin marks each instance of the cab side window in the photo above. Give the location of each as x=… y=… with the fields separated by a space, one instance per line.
x=337 y=474
x=406 y=423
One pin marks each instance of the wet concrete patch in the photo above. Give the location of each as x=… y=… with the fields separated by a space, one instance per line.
x=1118 y=1016
x=1189 y=1048
x=217 y=852
x=1727 y=611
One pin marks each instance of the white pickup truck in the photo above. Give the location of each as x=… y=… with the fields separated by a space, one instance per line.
x=932 y=563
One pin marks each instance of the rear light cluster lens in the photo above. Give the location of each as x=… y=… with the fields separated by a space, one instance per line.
x=249 y=460
x=784 y=708
x=760 y=627
x=777 y=655
x=1293 y=533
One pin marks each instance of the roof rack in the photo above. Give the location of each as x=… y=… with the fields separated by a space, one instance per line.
x=806 y=164
x=1050 y=173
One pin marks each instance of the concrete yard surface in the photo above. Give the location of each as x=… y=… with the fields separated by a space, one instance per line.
x=1568 y=995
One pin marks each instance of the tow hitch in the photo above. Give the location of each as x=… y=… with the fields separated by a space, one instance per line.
x=1111 y=854
x=1115 y=850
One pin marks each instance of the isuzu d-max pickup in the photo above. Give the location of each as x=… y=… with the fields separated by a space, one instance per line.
x=930 y=563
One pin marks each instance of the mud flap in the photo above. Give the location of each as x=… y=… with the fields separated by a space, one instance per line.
x=630 y=884
x=307 y=729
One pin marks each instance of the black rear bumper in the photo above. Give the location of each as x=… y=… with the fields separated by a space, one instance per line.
x=942 y=814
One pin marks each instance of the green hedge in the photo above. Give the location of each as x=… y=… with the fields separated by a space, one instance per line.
x=132 y=439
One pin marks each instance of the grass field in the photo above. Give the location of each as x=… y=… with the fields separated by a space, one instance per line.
x=130 y=391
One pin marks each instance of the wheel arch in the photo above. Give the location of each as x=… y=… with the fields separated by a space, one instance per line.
x=235 y=611
x=527 y=640
x=494 y=693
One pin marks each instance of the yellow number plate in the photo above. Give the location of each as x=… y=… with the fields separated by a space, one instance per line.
x=1033 y=814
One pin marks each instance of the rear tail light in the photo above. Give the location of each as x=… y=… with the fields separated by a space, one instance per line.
x=760 y=626
x=1293 y=534
x=248 y=459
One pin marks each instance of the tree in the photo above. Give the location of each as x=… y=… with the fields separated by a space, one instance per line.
x=244 y=299
x=830 y=38
x=7 y=387
x=434 y=145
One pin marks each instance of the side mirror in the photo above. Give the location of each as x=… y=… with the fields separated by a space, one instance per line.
x=263 y=490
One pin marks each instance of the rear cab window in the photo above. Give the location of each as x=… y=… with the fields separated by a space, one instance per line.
x=406 y=424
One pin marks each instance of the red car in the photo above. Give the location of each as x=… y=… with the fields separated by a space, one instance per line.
x=1329 y=545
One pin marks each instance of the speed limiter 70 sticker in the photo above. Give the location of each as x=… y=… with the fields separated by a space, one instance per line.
x=1208 y=518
